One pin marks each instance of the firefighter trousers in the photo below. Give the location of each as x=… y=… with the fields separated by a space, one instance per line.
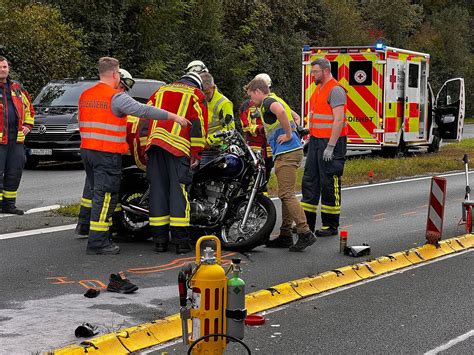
x=322 y=181
x=103 y=173
x=169 y=177
x=12 y=161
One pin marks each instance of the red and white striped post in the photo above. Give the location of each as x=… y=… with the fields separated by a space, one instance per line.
x=434 y=224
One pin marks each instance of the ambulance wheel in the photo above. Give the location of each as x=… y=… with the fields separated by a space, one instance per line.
x=434 y=146
x=395 y=152
x=31 y=162
x=259 y=226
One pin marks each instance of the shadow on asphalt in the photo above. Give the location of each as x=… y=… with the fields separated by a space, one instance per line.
x=59 y=165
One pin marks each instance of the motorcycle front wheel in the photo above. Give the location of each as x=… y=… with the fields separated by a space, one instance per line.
x=133 y=227
x=257 y=230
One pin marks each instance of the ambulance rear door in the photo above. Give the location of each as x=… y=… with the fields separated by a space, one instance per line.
x=363 y=80
x=450 y=110
x=412 y=107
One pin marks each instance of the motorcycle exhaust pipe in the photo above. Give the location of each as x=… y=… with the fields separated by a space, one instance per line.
x=136 y=210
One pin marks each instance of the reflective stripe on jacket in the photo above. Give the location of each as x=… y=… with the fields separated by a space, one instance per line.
x=185 y=101
x=100 y=128
x=274 y=130
x=321 y=117
x=23 y=107
x=252 y=124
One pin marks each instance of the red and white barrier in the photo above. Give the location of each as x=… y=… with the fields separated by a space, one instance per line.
x=434 y=224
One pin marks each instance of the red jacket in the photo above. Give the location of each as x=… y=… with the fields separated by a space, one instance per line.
x=23 y=107
x=137 y=137
x=253 y=126
x=185 y=101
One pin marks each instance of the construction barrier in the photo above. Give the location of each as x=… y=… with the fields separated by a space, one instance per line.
x=434 y=224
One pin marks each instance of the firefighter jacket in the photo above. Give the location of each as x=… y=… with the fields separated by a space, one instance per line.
x=23 y=108
x=185 y=101
x=100 y=128
x=137 y=138
x=321 y=116
x=274 y=129
x=252 y=124
x=221 y=117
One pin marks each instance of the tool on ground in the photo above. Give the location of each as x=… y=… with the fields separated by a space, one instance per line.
x=92 y=293
x=215 y=303
x=468 y=204
x=342 y=241
x=254 y=319
x=357 y=250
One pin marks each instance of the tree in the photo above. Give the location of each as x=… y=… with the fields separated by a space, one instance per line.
x=38 y=44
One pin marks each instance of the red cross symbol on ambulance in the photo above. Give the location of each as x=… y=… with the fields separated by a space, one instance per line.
x=393 y=78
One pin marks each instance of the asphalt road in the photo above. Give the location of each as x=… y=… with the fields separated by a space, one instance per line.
x=44 y=276
x=62 y=183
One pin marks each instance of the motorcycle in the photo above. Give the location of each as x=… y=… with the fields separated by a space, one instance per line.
x=226 y=198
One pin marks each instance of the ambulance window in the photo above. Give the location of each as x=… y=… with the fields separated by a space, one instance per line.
x=335 y=70
x=360 y=73
x=413 y=74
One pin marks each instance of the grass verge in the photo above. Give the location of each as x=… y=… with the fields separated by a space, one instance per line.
x=68 y=210
x=356 y=170
x=469 y=120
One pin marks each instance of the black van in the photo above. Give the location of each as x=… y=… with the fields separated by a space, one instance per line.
x=55 y=135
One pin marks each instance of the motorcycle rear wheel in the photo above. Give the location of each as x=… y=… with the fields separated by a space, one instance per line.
x=259 y=226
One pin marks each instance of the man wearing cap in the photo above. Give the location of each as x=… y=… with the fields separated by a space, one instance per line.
x=102 y=123
x=172 y=152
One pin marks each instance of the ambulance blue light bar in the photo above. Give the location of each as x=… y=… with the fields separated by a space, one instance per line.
x=379 y=46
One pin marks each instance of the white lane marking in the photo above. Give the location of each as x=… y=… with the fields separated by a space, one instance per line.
x=37 y=231
x=34 y=210
x=451 y=343
x=390 y=182
x=331 y=292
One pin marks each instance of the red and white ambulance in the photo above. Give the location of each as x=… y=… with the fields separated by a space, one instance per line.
x=390 y=103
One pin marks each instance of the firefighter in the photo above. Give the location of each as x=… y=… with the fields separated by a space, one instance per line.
x=83 y=224
x=172 y=153
x=16 y=121
x=326 y=151
x=220 y=111
x=287 y=150
x=102 y=123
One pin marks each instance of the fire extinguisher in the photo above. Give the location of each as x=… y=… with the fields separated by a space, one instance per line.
x=236 y=312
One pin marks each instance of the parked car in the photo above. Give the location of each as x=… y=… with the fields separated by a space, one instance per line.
x=55 y=134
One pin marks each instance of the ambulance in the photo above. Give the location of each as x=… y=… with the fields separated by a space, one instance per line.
x=390 y=103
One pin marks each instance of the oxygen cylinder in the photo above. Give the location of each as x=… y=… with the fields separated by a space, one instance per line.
x=208 y=285
x=236 y=311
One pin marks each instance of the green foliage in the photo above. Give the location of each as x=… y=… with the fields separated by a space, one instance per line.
x=35 y=54
x=236 y=39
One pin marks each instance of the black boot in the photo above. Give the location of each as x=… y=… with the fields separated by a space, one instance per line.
x=13 y=210
x=280 y=242
x=326 y=232
x=304 y=241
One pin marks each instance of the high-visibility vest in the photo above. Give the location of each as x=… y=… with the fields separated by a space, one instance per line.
x=273 y=130
x=321 y=117
x=23 y=108
x=219 y=109
x=100 y=129
x=185 y=101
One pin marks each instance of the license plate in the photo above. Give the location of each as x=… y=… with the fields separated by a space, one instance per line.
x=41 y=151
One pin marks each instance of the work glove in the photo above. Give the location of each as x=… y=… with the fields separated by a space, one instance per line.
x=213 y=141
x=328 y=153
x=25 y=130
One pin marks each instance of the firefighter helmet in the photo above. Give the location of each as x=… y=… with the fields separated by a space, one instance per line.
x=195 y=78
x=126 y=79
x=265 y=77
x=196 y=66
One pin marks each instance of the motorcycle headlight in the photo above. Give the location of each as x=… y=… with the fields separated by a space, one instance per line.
x=235 y=149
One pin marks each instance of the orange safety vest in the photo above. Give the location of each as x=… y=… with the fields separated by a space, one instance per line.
x=100 y=129
x=321 y=117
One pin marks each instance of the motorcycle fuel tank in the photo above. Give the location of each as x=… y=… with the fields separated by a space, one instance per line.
x=226 y=166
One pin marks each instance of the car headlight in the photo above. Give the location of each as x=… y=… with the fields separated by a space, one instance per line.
x=72 y=127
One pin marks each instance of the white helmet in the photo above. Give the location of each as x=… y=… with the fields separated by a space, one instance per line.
x=265 y=77
x=194 y=78
x=126 y=79
x=196 y=66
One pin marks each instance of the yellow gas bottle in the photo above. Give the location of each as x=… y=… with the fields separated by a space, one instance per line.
x=209 y=299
